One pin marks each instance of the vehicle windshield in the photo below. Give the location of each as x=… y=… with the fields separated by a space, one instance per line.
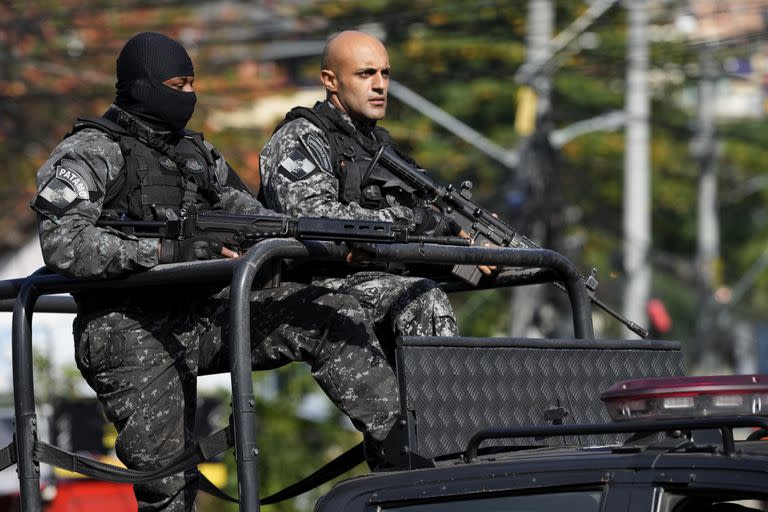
x=579 y=501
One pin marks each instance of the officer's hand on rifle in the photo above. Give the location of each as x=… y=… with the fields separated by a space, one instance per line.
x=428 y=220
x=229 y=253
x=191 y=249
x=485 y=269
x=360 y=252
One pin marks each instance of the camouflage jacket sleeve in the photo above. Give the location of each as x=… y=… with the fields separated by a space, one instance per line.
x=298 y=179
x=235 y=197
x=71 y=187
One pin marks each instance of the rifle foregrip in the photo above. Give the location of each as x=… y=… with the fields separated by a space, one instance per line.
x=344 y=230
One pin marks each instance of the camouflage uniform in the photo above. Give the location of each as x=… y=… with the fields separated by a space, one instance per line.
x=142 y=353
x=298 y=179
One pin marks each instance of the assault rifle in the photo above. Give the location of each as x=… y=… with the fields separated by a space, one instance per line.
x=478 y=223
x=242 y=231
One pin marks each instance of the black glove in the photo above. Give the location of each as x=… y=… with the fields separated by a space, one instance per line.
x=428 y=221
x=189 y=249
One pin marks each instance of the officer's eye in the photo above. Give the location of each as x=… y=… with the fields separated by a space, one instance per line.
x=179 y=83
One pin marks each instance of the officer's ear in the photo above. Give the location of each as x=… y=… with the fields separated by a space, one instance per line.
x=328 y=78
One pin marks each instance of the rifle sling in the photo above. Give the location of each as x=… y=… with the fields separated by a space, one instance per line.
x=8 y=456
x=334 y=468
x=202 y=451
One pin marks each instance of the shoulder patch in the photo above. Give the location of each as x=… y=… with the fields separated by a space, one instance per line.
x=296 y=166
x=317 y=149
x=67 y=187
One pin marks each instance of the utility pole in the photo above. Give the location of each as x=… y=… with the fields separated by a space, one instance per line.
x=637 y=176
x=704 y=150
x=541 y=22
x=533 y=112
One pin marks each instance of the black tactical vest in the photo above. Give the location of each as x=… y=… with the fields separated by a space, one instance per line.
x=371 y=186
x=153 y=187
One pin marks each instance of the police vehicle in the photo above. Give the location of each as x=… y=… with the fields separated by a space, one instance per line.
x=681 y=455
x=494 y=424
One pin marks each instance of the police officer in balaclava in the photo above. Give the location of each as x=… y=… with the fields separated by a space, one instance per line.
x=155 y=78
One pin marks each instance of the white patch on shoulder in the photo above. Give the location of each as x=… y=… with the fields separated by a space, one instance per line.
x=296 y=166
x=59 y=194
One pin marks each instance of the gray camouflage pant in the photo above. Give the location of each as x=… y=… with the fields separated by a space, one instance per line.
x=143 y=364
x=398 y=305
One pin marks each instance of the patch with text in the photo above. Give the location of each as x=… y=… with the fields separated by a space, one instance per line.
x=63 y=190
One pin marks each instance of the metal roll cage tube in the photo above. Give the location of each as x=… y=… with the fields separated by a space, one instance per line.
x=724 y=424
x=242 y=272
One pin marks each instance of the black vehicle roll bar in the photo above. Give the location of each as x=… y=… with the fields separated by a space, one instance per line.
x=28 y=293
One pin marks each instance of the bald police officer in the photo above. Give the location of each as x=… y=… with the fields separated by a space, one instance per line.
x=319 y=163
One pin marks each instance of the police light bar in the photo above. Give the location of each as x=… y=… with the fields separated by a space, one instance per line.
x=687 y=397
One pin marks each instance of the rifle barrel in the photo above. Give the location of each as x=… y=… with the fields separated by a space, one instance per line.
x=496 y=230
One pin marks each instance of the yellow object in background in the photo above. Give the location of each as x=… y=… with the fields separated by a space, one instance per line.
x=525 y=117
x=216 y=472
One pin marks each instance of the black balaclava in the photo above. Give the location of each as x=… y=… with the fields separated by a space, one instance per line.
x=145 y=62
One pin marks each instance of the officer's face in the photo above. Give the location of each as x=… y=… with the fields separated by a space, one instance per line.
x=359 y=78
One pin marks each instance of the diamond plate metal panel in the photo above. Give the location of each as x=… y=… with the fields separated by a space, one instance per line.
x=453 y=390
